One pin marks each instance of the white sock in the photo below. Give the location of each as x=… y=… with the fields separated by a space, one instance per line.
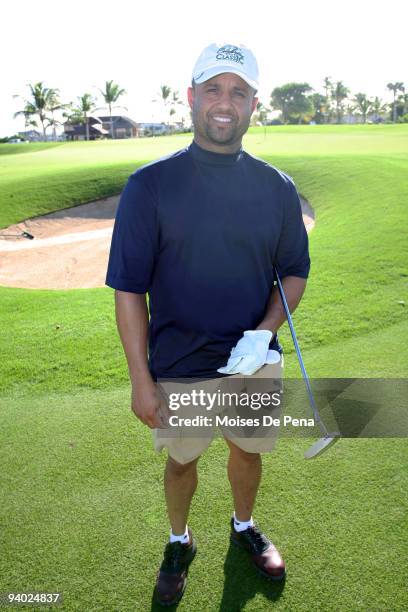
x=242 y=525
x=179 y=538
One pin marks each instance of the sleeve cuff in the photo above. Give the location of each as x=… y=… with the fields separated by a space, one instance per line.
x=125 y=284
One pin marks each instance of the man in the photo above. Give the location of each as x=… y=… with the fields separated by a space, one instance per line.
x=200 y=231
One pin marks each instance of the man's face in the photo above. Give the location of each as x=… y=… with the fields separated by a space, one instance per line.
x=222 y=108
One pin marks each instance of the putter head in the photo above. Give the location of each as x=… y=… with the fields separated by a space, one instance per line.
x=322 y=445
x=27 y=235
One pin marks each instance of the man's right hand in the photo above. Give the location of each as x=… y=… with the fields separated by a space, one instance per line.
x=149 y=404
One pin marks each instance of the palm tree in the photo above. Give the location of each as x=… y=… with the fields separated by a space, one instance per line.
x=402 y=103
x=262 y=112
x=43 y=100
x=328 y=88
x=111 y=94
x=339 y=93
x=363 y=104
x=378 y=107
x=28 y=112
x=174 y=101
x=80 y=113
x=55 y=105
x=350 y=109
x=319 y=103
x=53 y=122
x=164 y=97
x=165 y=92
x=395 y=88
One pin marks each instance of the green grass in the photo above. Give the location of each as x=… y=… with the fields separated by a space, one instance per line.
x=45 y=179
x=84 y=509
x=331 y=140
x=14 y=149
x=64 y=340
x=51 y=176
x=82 y=500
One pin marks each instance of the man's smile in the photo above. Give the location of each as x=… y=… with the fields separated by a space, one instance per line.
x=222 y=119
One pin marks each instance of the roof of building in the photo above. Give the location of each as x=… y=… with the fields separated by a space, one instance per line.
x=115 y=118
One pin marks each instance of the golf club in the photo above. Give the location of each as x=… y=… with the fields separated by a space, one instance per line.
x=22 y=235
x=328 y=439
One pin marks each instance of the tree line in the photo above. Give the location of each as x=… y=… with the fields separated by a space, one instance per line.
x=42 y=104
x=299 y=103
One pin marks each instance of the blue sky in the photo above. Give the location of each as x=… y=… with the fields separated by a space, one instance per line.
x=77 y=46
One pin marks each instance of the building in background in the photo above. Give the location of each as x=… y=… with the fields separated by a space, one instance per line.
x=100 y=127
x=153 y=129
x=31 y=136
x=123 y=127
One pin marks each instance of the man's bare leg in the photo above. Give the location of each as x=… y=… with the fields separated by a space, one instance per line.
x=180 y=483
x=244 y=473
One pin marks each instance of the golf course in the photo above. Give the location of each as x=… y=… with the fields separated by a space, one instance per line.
x=82 y=503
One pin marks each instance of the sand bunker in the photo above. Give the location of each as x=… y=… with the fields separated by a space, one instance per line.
x=70 y=249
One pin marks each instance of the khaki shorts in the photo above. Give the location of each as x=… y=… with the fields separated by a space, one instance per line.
x=184 y=447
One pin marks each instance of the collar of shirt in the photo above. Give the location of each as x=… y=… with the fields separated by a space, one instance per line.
x=215 y=159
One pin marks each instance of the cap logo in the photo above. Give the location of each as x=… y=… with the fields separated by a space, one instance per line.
x=230 y=52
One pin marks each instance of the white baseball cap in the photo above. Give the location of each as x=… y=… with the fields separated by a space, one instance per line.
x=216 y=59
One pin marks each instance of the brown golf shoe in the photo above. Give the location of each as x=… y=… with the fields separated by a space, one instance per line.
x=172 y=575
x=264 y=554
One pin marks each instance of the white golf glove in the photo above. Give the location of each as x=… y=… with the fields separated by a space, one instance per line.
x=251 y=353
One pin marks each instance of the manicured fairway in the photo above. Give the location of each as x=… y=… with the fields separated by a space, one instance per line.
x=82 y=506
x=50 y=176
x=84 y=513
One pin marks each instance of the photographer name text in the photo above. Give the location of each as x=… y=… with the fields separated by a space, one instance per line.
x=236 y=421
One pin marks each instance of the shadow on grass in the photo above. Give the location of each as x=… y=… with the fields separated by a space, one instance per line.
x=242 y=583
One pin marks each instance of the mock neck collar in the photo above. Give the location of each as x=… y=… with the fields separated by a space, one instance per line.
x=215 y=159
